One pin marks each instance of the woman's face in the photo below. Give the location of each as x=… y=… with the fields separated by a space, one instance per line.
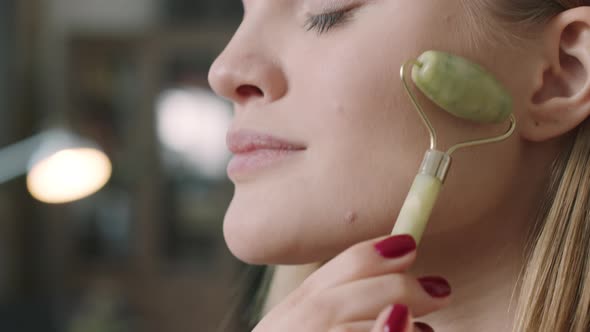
x=337 y=91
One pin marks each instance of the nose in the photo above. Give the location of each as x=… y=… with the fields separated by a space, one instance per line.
x=244 y=74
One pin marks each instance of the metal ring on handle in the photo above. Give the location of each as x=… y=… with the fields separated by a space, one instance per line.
x=432 y=131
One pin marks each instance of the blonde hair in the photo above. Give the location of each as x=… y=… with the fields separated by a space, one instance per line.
x=554 y=288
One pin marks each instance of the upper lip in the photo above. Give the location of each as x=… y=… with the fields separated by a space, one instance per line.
x=243 y=141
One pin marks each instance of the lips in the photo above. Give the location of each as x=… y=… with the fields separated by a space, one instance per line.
x=244 y=141
x=254 y=151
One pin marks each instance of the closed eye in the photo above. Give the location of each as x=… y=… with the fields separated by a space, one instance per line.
x=324 y=22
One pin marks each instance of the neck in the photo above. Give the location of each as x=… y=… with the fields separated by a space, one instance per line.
x=483 y=265
x=284 y=280
x=483 y=262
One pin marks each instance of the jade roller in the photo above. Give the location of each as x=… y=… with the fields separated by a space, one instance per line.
x=466 y=90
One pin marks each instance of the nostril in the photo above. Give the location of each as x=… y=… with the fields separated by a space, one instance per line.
x=245 y=91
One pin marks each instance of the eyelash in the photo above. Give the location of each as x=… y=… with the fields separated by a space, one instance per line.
x=324 y=22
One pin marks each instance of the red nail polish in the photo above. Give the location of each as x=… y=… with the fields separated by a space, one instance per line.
x=435 y=286
x=398 y=319
x=422 y=327
x=396 y=246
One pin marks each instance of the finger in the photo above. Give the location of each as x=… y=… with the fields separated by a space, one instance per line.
x=423 y=296
x=368 y=325
x=364 y=326
x=395 y=318
x=371 y=258
x=422 y=327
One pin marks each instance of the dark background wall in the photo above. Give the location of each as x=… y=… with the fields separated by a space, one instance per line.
x=145 y=253
x=5 y=32
x=6 y=46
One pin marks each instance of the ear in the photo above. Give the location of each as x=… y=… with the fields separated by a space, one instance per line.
x=561 y=99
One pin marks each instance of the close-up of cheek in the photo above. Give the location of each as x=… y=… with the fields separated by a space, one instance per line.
x=364 y=144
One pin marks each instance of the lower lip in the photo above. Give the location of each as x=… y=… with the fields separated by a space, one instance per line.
x=244 y=163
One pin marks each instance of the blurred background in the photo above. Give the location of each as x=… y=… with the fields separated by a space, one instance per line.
x=118 y=88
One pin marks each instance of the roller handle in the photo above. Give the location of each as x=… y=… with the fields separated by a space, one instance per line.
x=417 y=208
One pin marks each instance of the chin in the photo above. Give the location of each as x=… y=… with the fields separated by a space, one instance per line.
x=268 y=225
x=262 y=239
x=249 y=238
x=241 y=245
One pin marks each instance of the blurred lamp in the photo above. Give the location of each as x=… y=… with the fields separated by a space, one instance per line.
x=193 y=122
x=61 y=167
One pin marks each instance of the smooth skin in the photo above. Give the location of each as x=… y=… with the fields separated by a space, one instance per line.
x=339 y=93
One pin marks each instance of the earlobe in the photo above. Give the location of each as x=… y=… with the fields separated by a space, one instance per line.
x=561 y=101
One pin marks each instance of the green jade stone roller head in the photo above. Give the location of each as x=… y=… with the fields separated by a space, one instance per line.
x=466 y=90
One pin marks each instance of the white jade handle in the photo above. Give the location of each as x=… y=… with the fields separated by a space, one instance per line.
x=417 y=207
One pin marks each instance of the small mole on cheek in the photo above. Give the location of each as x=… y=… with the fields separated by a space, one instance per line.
x=340 y=109
x=350 y=218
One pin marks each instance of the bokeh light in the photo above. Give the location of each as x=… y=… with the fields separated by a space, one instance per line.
x=69 y=175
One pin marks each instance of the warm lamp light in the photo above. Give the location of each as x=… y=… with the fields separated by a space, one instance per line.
x=62 y=167
x=69 y=175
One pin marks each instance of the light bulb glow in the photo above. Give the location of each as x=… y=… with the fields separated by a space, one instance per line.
x=193 y=123
x=69 y=175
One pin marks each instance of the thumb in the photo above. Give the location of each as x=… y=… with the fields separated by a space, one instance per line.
x=397 y=318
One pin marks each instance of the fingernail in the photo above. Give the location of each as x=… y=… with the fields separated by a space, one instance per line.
x=396 y=246
x=435 y=286
x=422 y=327
x=398 y=319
